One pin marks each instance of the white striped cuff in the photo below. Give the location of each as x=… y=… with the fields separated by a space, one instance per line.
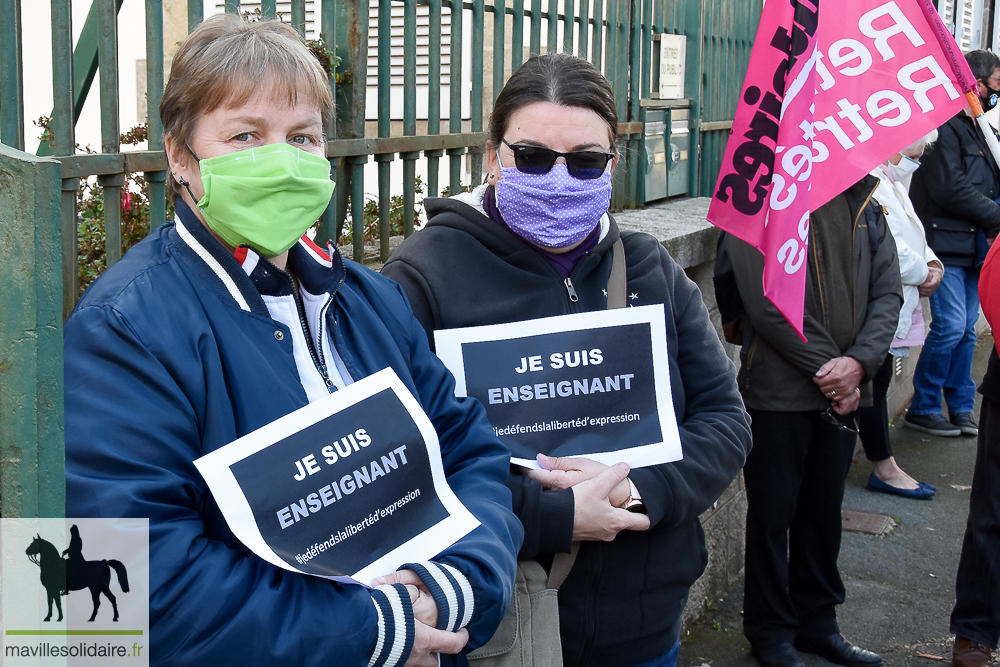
x=395 y=625
x=451 y=591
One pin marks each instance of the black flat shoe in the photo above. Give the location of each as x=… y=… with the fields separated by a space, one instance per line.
x=777 y=655
x=838 y=650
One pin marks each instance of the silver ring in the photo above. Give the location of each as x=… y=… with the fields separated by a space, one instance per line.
x=832 y=393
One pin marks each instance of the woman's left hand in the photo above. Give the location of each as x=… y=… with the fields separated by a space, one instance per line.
x=594 y=518
x=564 y=472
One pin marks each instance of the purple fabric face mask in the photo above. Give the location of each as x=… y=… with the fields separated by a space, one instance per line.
x=554 y=209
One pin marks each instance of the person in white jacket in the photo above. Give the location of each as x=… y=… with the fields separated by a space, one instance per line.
x=921 y=272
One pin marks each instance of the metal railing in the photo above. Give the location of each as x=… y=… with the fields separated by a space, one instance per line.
x=619 y=36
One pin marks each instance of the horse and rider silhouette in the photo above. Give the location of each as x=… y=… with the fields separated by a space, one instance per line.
x=59 y=576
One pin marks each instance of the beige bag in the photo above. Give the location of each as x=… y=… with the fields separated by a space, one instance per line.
x=528 y=635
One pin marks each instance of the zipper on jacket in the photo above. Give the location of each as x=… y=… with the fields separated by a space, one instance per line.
x=871 y=257
x=319 y=351
x=819 y=276
x=753 y=348
x=571 y=290
x=316 y=354
x=591 y=628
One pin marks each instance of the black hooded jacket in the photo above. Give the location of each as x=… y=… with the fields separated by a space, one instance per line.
x=954 y=190
x=622 y=602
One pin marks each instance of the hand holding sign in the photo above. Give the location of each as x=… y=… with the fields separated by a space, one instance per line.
x=594 y=385
x=563 y=472
x=349 y=485
x=429 y=641
x=595 y=517
x=424 y=607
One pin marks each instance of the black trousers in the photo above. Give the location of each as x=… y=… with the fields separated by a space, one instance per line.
x=977 y=588
x=794 y=478
x=873 y=422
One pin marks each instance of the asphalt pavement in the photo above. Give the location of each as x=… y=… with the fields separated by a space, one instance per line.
x=900 y=586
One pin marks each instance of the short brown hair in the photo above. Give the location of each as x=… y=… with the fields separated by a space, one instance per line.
x=225 y=61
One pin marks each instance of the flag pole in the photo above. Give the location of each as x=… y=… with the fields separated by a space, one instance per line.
x=966 y=80
x=984 y=125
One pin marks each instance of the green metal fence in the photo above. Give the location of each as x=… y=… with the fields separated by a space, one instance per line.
x=619 y=36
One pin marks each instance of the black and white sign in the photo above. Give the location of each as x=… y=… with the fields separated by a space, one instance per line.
x=591 y=384
x=349 y=487
x=673 y=53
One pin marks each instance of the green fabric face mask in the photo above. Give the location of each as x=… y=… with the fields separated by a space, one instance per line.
x=264 y=197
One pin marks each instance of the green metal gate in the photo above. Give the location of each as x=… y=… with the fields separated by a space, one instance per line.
x=620 y=36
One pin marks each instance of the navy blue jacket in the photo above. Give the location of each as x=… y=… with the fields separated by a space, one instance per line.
x=171 y=355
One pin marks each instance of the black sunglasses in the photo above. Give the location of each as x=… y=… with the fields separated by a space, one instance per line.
x=584 y=165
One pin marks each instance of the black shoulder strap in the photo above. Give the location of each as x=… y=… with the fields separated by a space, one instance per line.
x=727 y=294
x=616 y=281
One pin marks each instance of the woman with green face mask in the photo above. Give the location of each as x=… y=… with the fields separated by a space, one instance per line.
x=229 y=318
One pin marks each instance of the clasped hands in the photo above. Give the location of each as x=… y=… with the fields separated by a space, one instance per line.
x=935 y=271
x=598 y=490
x=428 y=641
x=839 y=380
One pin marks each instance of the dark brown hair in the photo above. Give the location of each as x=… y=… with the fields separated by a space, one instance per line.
x=982 y=63
x=226 y=60
x=559 y=78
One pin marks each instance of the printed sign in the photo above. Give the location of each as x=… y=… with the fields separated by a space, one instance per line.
x=75 y=591
x=591 y=384
x=673 y=54
x=349 y=487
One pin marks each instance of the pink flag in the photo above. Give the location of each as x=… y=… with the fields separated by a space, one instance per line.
x=827 y=97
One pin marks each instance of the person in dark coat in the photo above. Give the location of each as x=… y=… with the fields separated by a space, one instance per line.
x=975 y=620
x=802 y=396
x=535 y=241
x=954 y=192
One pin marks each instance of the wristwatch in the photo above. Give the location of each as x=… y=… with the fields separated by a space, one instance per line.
x=634 y=501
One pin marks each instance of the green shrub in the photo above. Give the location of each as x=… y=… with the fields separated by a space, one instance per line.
x=91 y=259
x=371 y=217
x=91 y=256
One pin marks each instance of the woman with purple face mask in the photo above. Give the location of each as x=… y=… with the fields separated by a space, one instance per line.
x=536 y=240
